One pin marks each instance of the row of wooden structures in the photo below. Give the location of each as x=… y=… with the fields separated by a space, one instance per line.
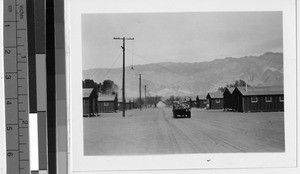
x=94 y=103
x=242 y=99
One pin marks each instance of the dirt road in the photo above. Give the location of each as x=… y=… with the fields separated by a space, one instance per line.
x=154 y=131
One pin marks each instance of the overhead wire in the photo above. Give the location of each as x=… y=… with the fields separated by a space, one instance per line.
x=113 y=64
x=167 y=69
x=116 y=45
x=142 y=57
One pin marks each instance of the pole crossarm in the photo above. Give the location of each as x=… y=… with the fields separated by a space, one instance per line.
x=121 y=38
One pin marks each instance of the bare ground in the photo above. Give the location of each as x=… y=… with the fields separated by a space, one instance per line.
x=154 y=131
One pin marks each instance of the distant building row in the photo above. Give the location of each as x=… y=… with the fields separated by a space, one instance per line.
x=94 y=103
x=242 y=99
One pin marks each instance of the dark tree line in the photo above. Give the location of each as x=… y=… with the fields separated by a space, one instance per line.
x=109 y=87
x=106 y=87
x=237 y=83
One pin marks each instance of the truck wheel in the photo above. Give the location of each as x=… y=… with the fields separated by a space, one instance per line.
x=189 y=115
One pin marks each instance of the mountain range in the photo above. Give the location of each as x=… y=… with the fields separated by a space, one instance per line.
x=187 y=79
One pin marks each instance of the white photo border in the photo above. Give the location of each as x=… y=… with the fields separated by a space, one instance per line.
x=84 y=164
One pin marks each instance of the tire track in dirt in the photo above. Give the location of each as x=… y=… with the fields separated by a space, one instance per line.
x=240 y=134
x=217 y=136
x=203 y=143
x=169 y=134
x=245 y=143
x=159 y=140
x=185 y=143
x=216 y=139
x=188 y=130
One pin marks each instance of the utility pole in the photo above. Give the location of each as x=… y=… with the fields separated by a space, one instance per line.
x=140 y=86
x=123 y=80
x=149 y=97
x=145 y=96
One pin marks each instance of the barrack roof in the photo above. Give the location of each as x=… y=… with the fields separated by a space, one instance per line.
x=250 y=91
x=86 y=92
x=202 y=97
x=105 y=97
x=215 y=94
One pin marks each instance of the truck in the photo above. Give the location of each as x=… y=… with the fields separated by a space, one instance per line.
x=181 y=109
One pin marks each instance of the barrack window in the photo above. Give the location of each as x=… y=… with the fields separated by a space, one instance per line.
x=281 y=98
x=254 y=100
x=268 y=99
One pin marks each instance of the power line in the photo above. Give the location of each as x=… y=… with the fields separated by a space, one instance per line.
x=158 y=64
x=185 y=76
x=113 y=64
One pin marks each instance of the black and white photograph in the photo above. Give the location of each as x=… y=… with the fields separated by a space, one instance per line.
x=180 y=83
x=196 y=85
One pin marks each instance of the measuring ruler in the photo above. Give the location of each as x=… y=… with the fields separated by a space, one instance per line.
x=16 y=86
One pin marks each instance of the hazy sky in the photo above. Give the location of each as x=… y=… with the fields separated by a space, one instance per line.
x=178 y=37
